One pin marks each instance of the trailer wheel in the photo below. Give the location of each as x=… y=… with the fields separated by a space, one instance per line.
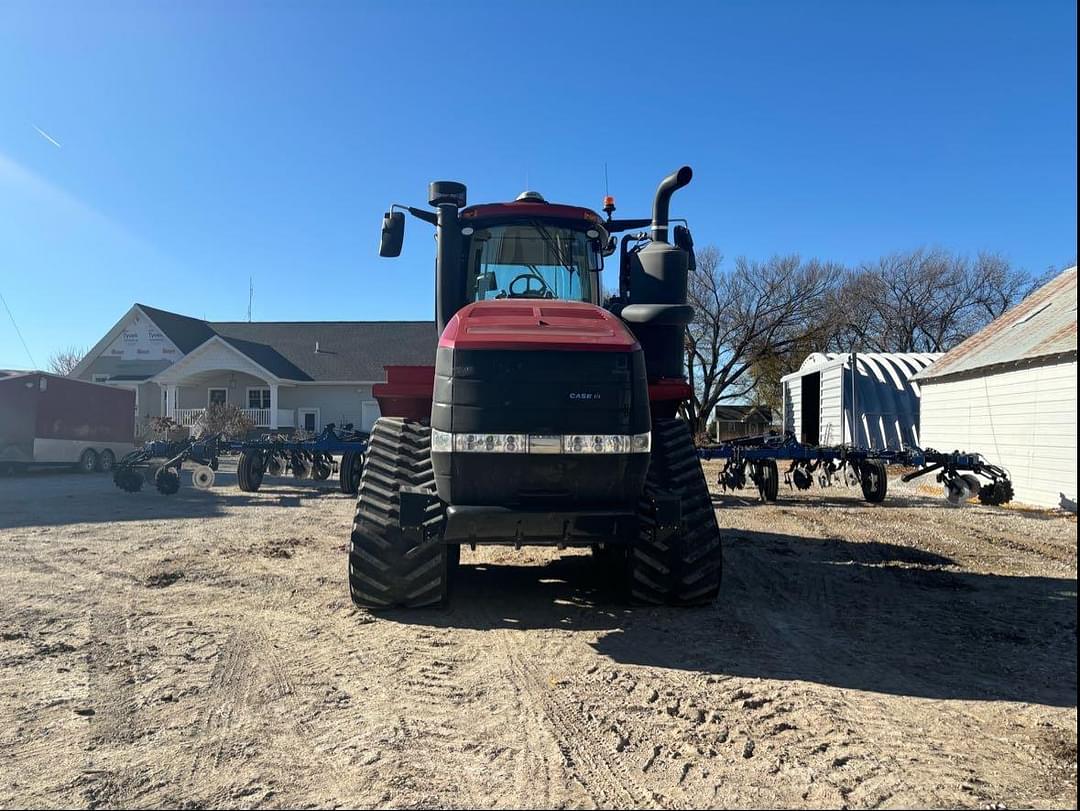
x=249 y=471
x=349 y=470
x=106 y=461
x=167 y=481
x=683 y=568
x=88 y=461
x=769 y=480
x=128 y=480
x=874 y=480
x=388 y=566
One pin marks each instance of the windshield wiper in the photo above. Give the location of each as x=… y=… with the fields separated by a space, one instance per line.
x=550 y=240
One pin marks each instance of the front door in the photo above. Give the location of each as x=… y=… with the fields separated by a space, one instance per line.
x=217 y=396
x=309 y=419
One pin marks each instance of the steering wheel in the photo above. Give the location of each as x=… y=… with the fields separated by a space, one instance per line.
x=543 y=291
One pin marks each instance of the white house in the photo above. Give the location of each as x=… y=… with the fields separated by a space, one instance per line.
x=294 y=374
x=1009 y=392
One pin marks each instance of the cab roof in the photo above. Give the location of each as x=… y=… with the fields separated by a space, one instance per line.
x=531 y=209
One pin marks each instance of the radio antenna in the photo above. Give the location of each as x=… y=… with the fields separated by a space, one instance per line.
x=251 y=295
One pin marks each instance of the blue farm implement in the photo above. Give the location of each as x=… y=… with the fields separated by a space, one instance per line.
x=754 y=461
x=159 y=463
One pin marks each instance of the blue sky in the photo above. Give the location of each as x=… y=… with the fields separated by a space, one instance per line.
x=205 y=142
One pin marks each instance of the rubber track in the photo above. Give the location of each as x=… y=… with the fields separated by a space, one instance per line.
x=386 y=567
x=686 y=569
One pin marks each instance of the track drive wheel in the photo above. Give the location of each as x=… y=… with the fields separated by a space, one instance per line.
x=349 y=470
x=249 y=470
x=389 y=566
x=681 y=567
x=874 y=480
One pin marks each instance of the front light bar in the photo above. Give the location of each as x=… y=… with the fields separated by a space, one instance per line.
x=446 y=442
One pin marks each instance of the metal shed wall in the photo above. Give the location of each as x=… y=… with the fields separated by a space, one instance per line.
x=1023 y=419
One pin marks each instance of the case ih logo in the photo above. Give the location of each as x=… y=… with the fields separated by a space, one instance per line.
x=584 y=395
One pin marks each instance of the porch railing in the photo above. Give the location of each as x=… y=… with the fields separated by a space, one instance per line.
x=260 y=417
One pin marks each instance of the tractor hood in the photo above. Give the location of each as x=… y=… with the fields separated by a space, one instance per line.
x=529 y=324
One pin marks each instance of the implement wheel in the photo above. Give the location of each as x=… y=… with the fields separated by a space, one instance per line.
x=388 y=566
x=249 y=470
x=874 y=481
x=349 y=470
x=768 y=480
x=683 y=567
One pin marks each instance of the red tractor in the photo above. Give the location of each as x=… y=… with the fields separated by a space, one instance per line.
x=550 y=417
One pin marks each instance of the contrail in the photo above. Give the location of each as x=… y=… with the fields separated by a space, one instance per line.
x=46 y=136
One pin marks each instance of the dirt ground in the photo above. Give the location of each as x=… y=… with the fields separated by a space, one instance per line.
x=201 y=650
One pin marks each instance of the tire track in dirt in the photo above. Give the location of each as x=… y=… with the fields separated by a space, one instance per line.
x=550 y=717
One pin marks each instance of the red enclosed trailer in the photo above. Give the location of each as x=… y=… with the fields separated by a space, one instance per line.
x=49 y=420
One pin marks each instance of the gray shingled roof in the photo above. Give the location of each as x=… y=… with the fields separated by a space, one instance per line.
x=1042 y=326
x=347 y=350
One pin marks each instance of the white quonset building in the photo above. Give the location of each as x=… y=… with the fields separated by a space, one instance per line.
x=820 y=398
x=1009 y=392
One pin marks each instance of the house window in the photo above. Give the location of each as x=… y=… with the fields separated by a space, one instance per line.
x=258 y=398
x=217 y=396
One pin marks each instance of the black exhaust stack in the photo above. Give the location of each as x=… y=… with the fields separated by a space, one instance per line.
x=657 y=311
x=448 y=196
x=662 y=202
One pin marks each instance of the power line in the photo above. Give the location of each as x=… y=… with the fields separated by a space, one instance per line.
x=18 y=331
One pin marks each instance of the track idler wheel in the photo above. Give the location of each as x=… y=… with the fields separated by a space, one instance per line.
x=249 y=471
x=167 y=481
x=874 y=480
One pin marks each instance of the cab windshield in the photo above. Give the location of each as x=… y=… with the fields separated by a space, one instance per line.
x=530 y=260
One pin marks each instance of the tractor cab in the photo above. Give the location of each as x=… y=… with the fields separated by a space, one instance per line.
x=531 y=249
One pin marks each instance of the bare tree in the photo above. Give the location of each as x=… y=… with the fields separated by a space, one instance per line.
x=64 y=361
x=750 y=315
x=924 y=300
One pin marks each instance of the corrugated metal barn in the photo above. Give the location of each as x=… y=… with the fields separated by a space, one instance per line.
x=1009 y=392
x=819 y=399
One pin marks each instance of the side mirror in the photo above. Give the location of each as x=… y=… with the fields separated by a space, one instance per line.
x=596 y=255
x=685 y=241
x=393 y=233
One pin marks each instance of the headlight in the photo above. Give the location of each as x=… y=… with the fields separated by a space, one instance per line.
x=446 y=442
x=490 y=443
x=441 y=441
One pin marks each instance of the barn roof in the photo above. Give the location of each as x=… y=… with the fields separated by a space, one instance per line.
x=1041 y=327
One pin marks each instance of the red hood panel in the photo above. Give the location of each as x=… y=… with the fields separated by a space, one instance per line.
x=537 y=324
